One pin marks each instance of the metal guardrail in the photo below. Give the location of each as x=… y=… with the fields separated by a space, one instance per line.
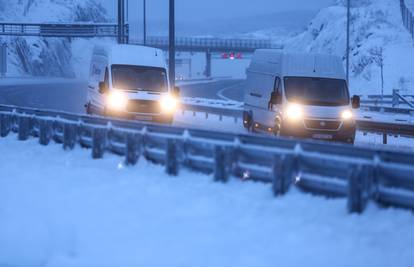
x=389 y=103
x=360 y=174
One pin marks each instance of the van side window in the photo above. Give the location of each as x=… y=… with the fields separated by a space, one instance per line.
x=278 y=83
x=106 y=77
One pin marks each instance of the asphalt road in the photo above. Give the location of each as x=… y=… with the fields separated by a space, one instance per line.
x=70 y=96
x=226 y=90
x=67 y=96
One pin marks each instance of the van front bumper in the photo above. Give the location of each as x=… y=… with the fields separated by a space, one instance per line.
x=345 y=132
x=144 y=117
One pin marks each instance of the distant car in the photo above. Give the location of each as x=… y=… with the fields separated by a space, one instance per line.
x=129 y=81
x=299 y=95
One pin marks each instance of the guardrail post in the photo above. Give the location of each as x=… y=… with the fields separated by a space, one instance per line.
x=69 y=136
x=24 y=128
x=282 y=173
x=357 y=191
x=132 y=149
x=45 y=132
x=220 y=171
x=171 y=163
x=98 y=143
x=5 y=122
x=395 y=98
x=385 y=138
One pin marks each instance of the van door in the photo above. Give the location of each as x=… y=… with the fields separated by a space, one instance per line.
x=97 y=97
x=97 y=74
x=260 y=91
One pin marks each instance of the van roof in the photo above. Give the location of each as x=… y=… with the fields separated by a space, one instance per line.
x=297 y=64
x=132 y=55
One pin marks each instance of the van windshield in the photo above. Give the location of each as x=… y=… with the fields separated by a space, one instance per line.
x=317 y=91
x=138 y=78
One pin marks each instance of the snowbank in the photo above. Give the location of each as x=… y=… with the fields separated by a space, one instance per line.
x=65 y=209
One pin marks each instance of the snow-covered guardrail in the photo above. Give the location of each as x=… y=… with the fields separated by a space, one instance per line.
x=360 y=174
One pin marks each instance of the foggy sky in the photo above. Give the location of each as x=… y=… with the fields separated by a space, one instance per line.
x=211 y=9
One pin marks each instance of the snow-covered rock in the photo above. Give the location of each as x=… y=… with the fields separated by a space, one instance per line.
x=52 y=56
x=376 y=25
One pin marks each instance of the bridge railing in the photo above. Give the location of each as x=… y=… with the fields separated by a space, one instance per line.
x=89 y=30
x=360 y=174
x=213 y=43
x=60 y=30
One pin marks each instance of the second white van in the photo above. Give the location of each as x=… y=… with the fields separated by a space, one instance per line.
x=299 y=95
x=131 y=82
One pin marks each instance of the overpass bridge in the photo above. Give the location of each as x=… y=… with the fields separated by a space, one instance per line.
x=205 y=45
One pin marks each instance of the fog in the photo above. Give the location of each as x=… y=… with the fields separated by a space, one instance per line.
x=215 y=9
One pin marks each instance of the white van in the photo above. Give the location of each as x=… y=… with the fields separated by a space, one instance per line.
x=299 y=95
x=131 y=82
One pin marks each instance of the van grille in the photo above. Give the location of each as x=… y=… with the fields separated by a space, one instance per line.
x=322 y=125
x=144 y=106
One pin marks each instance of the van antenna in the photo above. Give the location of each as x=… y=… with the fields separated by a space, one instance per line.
x=314 y=64
x=156 y=53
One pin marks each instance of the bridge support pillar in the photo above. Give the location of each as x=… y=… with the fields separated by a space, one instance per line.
x=208 y=64
x=121 y=21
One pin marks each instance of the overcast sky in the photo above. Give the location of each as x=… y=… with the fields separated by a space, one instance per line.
x=212 y=9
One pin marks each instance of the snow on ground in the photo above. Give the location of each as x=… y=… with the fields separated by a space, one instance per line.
x=66 y=209
x=198 y=120
x=394 y=143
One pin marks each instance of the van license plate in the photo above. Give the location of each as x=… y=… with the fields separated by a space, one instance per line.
x=143 y=118
x=323 y=136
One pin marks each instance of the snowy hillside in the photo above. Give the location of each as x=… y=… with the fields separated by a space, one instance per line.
x=376 y=26
x=52 y=56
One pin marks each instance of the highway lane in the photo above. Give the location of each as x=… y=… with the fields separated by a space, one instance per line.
x=70 y=95
x=67 y=96
x=225 y=90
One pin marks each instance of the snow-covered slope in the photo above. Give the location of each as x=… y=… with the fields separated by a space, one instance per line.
x=67 y=210
x=52 y=56
x=376 y=25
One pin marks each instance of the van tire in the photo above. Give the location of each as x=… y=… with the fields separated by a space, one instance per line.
x=278 y=126
x=88 y=108
x=248 y=120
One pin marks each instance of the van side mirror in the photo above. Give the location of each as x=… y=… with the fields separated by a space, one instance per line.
x=177 y=91
x=356 y=102
x=103 y=88
x=276 y=98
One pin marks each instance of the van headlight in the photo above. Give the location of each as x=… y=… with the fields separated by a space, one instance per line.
x=116 y=100
x=294 y=112
x=168 y=104
x=347 y=115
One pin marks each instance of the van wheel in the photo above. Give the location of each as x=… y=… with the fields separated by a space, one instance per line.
x=247 y=120
x=278 y=126
x=88 y=108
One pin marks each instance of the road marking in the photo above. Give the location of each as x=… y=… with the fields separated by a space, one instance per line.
x=220 y=93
